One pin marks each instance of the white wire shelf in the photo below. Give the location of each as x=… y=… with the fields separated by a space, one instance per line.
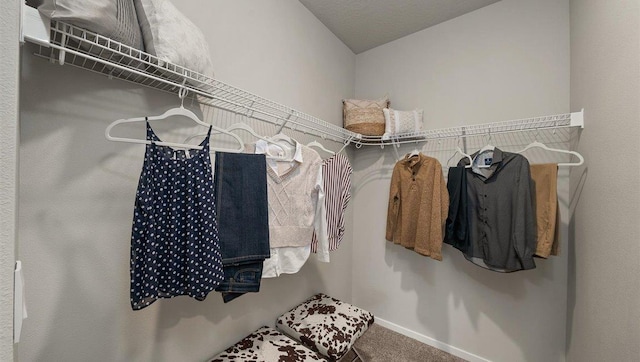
x=71 y=45
x=67 y=44
x=573 y=120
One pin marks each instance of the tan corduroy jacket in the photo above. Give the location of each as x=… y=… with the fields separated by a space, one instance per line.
x=418 y=205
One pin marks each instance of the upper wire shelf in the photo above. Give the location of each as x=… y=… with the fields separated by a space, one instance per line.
x=68 y=44
x=81 y=48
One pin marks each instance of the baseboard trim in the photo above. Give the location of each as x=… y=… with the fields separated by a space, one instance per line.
x=430 y=341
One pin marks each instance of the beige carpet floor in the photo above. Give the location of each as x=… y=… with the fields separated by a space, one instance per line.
x=380 y=344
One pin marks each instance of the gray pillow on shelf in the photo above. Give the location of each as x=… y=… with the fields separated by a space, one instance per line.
x=172 y=37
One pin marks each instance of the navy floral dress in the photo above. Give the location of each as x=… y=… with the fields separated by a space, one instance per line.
x=174 y=239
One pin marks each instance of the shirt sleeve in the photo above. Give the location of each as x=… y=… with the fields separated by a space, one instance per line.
x=525 y=223
x=394 y=204
x=344 y=198
x=438 y=212
x=346 y=185
x=444 y=200
x=320 y=221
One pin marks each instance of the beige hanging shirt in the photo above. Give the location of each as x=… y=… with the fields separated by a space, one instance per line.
x=545 y=180
x=418 y=205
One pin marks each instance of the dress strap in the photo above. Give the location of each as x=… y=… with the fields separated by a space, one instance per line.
x=151 y=136
x=205 y=143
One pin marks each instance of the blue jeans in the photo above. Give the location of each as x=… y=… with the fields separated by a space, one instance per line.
x=240 y=279
x=240 y=183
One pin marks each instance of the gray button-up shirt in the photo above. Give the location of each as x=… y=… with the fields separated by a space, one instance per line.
x=502 y=221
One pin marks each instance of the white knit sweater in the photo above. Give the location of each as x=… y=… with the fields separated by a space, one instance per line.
x=296 y=200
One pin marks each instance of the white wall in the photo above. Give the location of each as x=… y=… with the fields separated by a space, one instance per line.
x=604 y=293
x=77 y=192
x=9 y=78
x=506 y=61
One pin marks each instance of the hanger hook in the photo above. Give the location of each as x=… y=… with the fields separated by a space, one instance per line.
x=182 y=93
x=346 y=143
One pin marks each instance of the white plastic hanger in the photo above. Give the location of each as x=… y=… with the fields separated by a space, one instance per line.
x=486 y=148
x=347 y=142
x=238 y=126
x=281 y=137
x=319 y=146
x=286 y=143
x=536 y=144
x=459 y=150
x=415 y=151
x=245 y=127
x=395 y=144
x=177 y=111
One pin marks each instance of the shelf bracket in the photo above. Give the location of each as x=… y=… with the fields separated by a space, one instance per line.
x=577 y=119
x=285 y=122
x=34 y=27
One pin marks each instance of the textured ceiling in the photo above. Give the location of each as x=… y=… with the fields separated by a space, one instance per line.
x=365 y=24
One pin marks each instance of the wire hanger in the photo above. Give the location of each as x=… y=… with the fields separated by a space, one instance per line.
x=536 y=144
x=176 y=111
x=461 y=152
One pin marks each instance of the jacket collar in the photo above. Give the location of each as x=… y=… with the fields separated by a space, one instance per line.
x=497 y=156
x=487 y=172
x=298 y=155
x=262 y=147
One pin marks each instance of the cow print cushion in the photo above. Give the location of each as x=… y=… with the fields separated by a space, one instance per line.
x=267 y=344
x=326 y=325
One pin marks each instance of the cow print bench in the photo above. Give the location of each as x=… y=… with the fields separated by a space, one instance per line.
x=326 y=325
x=321 y=329
x=267 y=344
